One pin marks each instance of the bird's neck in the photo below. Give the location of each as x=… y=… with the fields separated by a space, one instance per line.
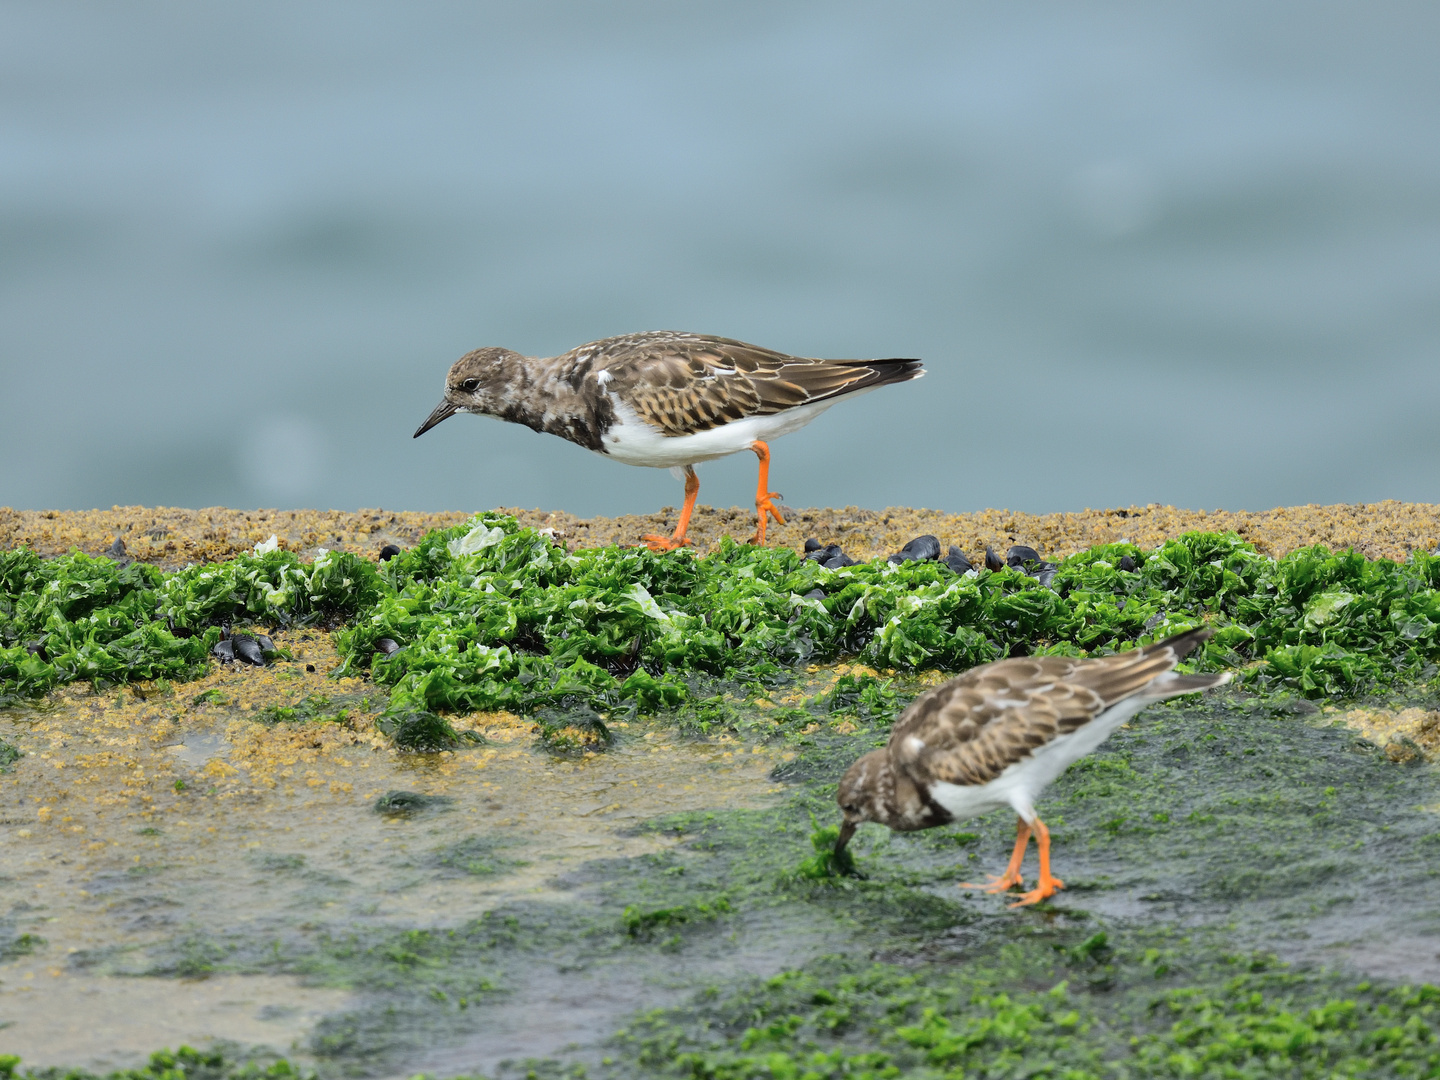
x=556 y=400
x=897 y=801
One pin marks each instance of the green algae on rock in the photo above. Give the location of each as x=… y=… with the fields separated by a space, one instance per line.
x=81 y=618
x=186 y=1063
x=1234 y=1016
x=1206 y=836
x=490 y=616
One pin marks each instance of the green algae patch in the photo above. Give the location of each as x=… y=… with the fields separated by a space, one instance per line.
x=314 y=708
x=20 y=945
x=410 y=803
x=825 y=863
x=477 y=856
x=491 y=616
x=644 y=925
x=82 y=618
x=1032 y=1009
x=423 y=732
x=574 y=730
x=186 y=1063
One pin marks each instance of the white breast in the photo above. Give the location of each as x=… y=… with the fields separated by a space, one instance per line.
x=633 y=441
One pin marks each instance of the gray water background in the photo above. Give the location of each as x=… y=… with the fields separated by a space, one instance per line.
x=1182 y=253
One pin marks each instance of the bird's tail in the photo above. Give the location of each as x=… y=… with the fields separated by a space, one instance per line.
x=1178 y=646
x=883 y=372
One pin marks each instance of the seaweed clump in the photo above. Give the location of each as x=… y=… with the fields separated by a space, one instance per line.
x=186 y=1063
x=492 y=616
x=1094 y=1014
x=79 y=617
x=827 y=863
x=573 y=730
x=410 y=803
x=423 y=732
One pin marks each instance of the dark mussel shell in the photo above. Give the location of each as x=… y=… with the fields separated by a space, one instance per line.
x=1127 y=564
x=37 y=648
x=812 y=545
x=225 y=650
x=248 y=649
x=839 y=560
x=388 y=552
x=815 y=594
x=921 y=549
x=956 y=560
x=388 y=646
x=992 y=561
x=1020 y=554
x=822 y=554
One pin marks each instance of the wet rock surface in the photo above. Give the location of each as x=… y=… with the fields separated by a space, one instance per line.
x=170 y=536
x=477 y=902
x=470 y=907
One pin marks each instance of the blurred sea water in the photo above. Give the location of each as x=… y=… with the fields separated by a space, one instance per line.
x=1186 y=253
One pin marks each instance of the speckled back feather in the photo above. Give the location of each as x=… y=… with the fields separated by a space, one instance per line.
x=974 y=727
x=683 y=383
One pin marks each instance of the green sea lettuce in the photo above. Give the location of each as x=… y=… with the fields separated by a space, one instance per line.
x=492 y=615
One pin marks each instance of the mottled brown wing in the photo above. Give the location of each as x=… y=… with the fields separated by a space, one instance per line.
x=974 y=727
x=684 y=383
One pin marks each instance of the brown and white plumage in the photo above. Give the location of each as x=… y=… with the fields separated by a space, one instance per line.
x=664 y=399
x=1000 y=733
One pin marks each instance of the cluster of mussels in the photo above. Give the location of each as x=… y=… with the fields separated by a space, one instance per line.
x=245 y=648
x=927 y=548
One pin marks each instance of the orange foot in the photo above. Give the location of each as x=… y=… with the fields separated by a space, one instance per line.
x=670 y=543
x=1009 y=880
x=1043 y=890
x=1049 y=884
x=664 y=543
x=764 y=498
x=762 y=507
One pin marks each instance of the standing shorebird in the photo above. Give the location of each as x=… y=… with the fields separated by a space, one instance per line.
x=665 y=399
x=999 y=734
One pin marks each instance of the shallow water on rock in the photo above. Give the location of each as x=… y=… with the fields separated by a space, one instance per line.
x=133 y=821
x=178 y=867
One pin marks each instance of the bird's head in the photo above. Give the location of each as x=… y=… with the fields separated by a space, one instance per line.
x=863 y=794
x=479 y=382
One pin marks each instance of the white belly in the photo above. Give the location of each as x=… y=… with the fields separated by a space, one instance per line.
x=635 y=442
x=1021 y=784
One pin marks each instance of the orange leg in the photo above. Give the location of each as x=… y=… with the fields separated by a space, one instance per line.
x=670 y=543
x=763 y=496
x=1011 y=877
x=1049 y=884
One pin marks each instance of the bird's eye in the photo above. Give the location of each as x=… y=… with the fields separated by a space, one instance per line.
x=470 y=385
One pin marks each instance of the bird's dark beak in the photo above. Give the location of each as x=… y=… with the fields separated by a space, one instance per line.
x=444 y=409
x=847 y=830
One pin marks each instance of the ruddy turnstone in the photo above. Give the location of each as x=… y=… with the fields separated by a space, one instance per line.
x=999 y=734
x=664 y=399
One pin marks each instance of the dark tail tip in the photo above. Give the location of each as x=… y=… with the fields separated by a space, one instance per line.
x=1182 y=643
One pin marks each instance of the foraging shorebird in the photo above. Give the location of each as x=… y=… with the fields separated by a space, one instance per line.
x=999 y=734
x=664 y=399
